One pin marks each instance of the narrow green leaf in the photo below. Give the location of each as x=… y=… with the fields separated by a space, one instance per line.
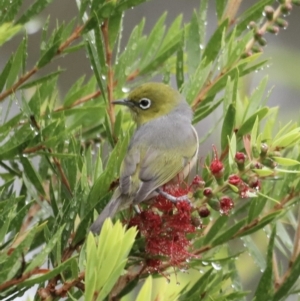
x=95 y=62
x=229 y=233
x=256 y=97
x=232 y=150
x=179 y=65
x=197 y=82
x=255 y=253
x=42 y=79
x=286 y=161
x=41 y=257
x=32 y=175
x=202 y=21
x=287 y=139
x=256 y=207
x=146 y=290
x=213 y=46
x=33 y=10
x=114 y=28
x=264 y=290
x=16 y=64
x=254 y=132
x=48 y=55
x=248 y=124
x=16 y=144
x=216 y=228
x=126 y=4
x=289 y=281
x=49 y=275
x=173 y=30
x=228 y=125
x=154 y=41
x=163 y=55
x=220 y=7
x=263 y=222
x=5 y=72
x=21 y=248
x=8 y=30
x=193 y=42
x=10 y=11
x=201 y=113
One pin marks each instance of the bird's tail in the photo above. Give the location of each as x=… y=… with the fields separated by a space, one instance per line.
x=109 y=211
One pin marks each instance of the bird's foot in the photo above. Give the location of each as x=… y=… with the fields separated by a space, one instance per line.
x=137 y=209
x=172 y=198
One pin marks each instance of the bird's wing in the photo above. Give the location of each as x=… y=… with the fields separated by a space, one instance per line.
x=150 y=165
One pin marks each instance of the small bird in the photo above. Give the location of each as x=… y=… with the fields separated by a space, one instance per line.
x=162 y=150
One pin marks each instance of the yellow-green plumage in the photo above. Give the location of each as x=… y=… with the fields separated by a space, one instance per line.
x=163 y=148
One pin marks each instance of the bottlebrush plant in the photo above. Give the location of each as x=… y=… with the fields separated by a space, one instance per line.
x=60 y=157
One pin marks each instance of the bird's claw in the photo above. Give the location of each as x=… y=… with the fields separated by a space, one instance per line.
x=172 y=198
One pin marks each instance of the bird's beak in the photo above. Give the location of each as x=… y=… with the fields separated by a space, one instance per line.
x=124 y=102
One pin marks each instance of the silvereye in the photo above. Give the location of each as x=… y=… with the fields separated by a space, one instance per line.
x=163 y=148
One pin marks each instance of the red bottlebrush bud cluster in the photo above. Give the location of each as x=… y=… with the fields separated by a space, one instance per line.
x=165 y=231
x=226 y=204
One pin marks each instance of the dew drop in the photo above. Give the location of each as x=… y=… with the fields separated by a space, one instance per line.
x=216 y=266
x=125 y=89
x=204 y=262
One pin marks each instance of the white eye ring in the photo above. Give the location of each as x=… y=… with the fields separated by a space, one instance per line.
x=144 y=103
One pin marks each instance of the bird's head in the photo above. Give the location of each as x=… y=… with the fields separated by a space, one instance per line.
x=151 y=100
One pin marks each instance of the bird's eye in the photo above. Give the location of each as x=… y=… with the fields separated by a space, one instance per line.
x=145 y=103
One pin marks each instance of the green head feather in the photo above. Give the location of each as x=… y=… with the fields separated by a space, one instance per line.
x=150 y=101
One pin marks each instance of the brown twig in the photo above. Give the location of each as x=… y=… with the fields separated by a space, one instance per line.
x=62 y=291
x=17 y=84
x=75 y=35
x=202 y=94
x=15 y=281
x=30 y=150
x=79 y=101
x=231 y=10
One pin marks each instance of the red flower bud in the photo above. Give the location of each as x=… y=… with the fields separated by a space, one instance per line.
x=207 y=192
x=197 y=182
x=254 y=182
x=234 y=180
x=216 y=166
x=203 y=211
x=196 y=221
x=240 y=158
x=226 y=204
